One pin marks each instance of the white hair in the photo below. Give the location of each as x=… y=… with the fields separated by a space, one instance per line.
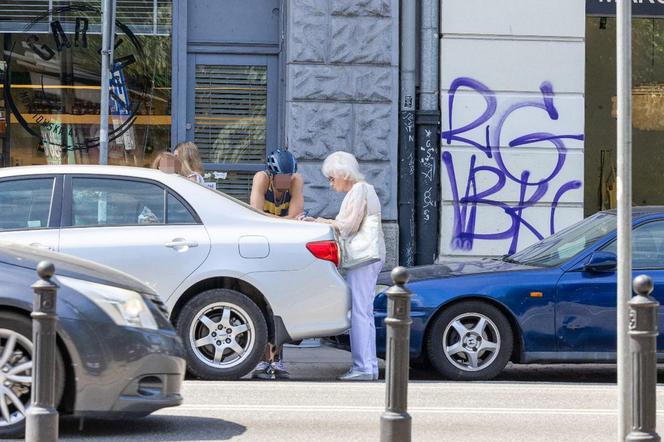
x=342 y=165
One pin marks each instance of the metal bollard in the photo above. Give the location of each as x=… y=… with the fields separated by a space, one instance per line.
x=42 y=417
x=643 y=346
x=395 y=422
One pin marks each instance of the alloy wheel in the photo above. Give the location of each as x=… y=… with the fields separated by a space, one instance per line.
x=471 y=341
x=222 y=335
x=15 y=376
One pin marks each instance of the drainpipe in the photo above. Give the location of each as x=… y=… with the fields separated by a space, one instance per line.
x=428 y=150
x=407 y=65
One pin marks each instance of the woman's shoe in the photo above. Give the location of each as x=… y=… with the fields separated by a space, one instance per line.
x=279 y=370
x=263 y=371
x=355 y=375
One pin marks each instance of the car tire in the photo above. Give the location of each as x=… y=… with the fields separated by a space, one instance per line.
x=20 y=328
x=470 y=341
x=224 y=334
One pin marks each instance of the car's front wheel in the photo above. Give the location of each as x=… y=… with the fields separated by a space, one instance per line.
x=16 y=356
x=224 y=332
x=470 y=341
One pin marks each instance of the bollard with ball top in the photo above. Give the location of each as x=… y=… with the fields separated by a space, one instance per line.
x=395 y=423
x=42 y=417
x=643 y=347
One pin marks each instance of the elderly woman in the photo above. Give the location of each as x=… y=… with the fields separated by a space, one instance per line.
x=358 y=226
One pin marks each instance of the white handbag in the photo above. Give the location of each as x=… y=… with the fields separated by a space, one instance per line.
x=363 y=247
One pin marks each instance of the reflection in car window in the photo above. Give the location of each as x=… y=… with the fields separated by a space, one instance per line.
x=113 y=202
x=647 y=246
x=178 y=213
x=25 y=204
x=558 y=248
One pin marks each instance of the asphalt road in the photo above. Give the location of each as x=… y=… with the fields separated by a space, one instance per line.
x=535 y=403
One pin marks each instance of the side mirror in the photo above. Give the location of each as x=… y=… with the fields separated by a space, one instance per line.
x=601 y=262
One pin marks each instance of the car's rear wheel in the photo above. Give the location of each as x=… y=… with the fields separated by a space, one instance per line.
x=470 y=341
x=224 y=332
x=16 y=355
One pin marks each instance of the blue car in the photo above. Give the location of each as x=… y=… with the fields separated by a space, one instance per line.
x=554 y=301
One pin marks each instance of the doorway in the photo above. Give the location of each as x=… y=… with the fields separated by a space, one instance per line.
x=232 y=116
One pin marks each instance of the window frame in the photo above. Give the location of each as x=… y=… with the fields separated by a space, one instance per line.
x=634 y=228
x=68 y=200
x=55 y=206
x=184 y=204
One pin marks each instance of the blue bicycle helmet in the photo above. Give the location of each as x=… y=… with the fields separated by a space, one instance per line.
x=281 y=161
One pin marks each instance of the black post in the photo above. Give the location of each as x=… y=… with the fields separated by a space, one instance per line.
x=395 y=423
x=643 y=347
x=428 y=184
x=407 y=188
x=6 y=145
x=41 y=416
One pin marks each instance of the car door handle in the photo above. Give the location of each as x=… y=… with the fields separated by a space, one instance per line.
x=179 y=243
x=39 y=245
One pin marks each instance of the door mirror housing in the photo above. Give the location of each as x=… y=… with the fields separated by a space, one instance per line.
x=601 y=262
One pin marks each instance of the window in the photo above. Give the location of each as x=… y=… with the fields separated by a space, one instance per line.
x=114 y=202
x=25 y=204
x=233 y=106
x=647 y=246
x=560 y=247
x=178 y=213
x=54 y=81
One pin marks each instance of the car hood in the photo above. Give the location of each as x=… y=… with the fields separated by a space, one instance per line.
x=456 y=268
x=66 y=265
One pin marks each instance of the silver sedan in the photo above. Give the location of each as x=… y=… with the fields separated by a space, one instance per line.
x=232 y=277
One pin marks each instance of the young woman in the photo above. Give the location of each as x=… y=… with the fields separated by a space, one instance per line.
x=277 y=191
x=192 y=168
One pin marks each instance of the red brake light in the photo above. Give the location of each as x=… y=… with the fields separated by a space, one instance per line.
x=325 y=250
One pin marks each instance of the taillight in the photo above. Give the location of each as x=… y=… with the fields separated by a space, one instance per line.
x=325 y=250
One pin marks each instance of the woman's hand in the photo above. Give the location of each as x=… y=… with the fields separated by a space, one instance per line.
x=304 y=216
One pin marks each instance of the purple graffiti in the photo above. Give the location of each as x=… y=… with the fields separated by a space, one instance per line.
x=531 y=190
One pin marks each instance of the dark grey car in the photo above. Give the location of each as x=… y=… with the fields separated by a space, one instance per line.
x=117 y=353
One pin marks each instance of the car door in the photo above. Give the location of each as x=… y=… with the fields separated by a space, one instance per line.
x=134 y=225
x=30 y=210
x=586 y=308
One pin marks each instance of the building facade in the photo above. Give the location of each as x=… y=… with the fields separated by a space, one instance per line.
x=512 y=141
x=527 y=100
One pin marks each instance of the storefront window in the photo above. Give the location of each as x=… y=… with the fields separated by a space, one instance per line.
x=52 y=78
x=648 y=112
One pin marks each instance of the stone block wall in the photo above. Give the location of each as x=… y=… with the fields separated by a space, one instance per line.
x=342 y=94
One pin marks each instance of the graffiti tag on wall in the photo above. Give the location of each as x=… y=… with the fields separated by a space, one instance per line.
x=501 y=172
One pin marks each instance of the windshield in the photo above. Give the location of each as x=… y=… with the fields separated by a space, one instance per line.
x=567 y=243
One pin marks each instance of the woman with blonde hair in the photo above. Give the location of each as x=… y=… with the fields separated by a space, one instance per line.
x=192 y=168
x=359 y=227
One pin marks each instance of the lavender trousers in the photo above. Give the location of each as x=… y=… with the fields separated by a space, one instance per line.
x=362 y=283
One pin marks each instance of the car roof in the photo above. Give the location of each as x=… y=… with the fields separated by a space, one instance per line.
x=641 y=211
x=82 y=169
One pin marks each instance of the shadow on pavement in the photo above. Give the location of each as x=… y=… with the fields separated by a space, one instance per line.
x=162 y=428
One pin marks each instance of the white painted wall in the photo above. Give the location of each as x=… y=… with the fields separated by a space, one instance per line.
x=520 y=63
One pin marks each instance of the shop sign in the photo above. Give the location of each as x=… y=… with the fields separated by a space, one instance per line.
x=59 y=94
x=641 y=8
